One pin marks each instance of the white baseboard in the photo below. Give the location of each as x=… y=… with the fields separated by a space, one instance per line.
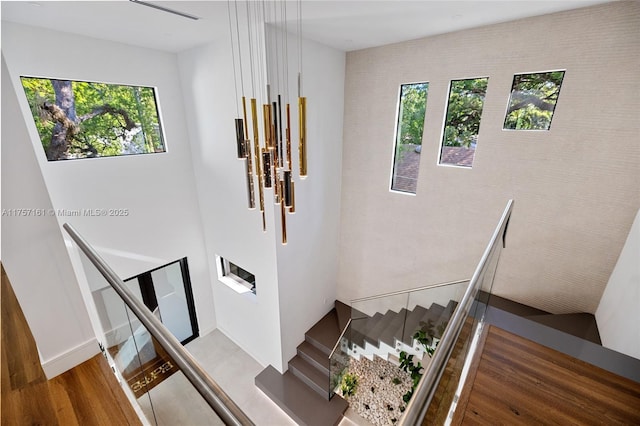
x=71 y=358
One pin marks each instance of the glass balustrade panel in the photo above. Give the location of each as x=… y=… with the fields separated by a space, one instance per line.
x=150 y=378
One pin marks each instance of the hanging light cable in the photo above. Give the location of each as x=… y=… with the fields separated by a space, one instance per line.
x=269 y=68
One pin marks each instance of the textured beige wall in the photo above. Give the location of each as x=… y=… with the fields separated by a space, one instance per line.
x=576 y=187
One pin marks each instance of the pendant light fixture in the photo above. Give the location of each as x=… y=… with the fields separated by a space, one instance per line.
x=271 y=151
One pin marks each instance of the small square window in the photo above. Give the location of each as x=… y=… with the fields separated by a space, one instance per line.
x=533 y=100
x=235 y=277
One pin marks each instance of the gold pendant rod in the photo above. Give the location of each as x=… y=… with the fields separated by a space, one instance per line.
x=249 y=170
x=292 y=209
x=283 y=216
x=256 y=153
x=279 y=130
x=302 y=146
x=288 y=137
x=244 y=115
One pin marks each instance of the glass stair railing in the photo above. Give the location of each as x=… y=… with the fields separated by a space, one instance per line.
x=146 y=356
x=429 y=333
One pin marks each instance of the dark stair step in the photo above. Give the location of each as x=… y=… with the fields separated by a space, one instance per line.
x=359 y=325
x=431 y=318
x=412 y=323
x=371 y=323
x=303 y=405
x=443 y=321
x=510 y=306
x=433 y=314
x=374 y=334
x=311 y=376
x=582 y=325
x=343 y=312
x=394 y=329
x=314 y=356
x=324 y=334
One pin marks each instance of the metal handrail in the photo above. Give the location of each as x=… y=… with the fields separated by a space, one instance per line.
x=424 y=392
x=335 y=347
x=411 y=290
x=217 y=399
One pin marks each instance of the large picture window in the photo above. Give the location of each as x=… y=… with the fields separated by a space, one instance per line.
x=408 y=143
x=81 y=119
x=533 y=100
x=462 y=123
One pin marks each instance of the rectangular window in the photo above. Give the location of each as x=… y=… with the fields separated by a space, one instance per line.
x=462 y=123
x=236 y=277
x=408 y=145
x=533 y=100
x=81 y=119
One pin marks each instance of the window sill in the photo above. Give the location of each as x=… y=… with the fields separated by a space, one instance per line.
x=234 y=285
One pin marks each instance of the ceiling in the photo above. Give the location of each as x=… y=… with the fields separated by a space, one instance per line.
x=345 y=25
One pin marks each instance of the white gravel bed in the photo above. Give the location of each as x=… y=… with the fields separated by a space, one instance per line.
x=377 y=398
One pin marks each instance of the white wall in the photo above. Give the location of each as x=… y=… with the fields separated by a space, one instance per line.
x=158 y=189
x=295 y=283
x=33 y=251
x=308 y=264
x=618 y=315
x=230 y=229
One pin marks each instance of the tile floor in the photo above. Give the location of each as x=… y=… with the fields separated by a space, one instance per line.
x=234 y=370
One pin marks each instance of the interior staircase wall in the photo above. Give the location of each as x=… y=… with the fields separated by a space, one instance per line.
x=618 y=315
x=34 y=253
x=575 y=186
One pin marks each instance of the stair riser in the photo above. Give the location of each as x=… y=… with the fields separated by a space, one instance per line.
x=300 y=375
x=318 y=345
x=313 y=362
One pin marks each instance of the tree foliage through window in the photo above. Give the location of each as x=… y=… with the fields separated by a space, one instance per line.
x=533 y=100
x=412 y=106
x=78 y=119
x=462 y=124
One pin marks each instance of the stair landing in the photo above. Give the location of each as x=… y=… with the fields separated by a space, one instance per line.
x=301 y=403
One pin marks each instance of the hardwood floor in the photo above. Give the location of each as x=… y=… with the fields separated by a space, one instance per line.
x=88 y=394
x=515 y=381
x=448 y=384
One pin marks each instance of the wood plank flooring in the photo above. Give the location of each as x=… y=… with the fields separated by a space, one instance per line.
x=448 y=384
x=88 y=394
x=518 y=382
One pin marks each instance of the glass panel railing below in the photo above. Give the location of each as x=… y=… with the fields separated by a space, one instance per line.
x=151 y=377
x=389 y=342
x=163 y=381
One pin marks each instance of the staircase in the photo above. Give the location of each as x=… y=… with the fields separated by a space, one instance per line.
x=389 y=333
x=303 y=391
